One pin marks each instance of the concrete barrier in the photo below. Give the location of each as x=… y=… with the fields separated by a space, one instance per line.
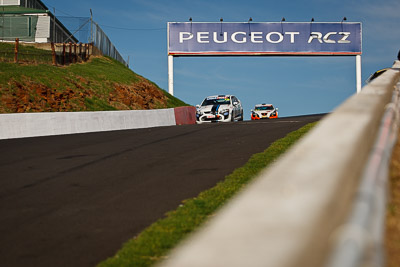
x=185 y=115
x=19 y=125
x=292 y=213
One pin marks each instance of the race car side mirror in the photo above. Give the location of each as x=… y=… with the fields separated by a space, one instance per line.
x=197 y=106
x=277 y=109
x=235 y=103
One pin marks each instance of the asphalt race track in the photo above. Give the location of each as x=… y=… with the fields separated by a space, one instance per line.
x=73 y=200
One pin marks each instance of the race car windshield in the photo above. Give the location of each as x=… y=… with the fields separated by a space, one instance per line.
x=265 y=108
x=216 y=101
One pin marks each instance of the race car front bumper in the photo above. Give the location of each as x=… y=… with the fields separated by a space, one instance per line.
x=260 y=117
x=205 y=118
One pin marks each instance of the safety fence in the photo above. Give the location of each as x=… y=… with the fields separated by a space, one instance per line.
x=103 y=43
x=86 y=30
x=52 y=53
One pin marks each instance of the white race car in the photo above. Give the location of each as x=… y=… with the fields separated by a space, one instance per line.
x=219 y=108
x=264 y=111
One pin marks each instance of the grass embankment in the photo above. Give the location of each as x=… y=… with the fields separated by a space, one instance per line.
x=26 y=53
x=99 y=84
x=154 y=242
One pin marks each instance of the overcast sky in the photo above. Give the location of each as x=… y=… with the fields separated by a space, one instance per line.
x=296 y=85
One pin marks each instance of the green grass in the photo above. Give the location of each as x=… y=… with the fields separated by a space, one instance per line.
x=98 y=70
x=99 y=77
x=105 y=69
x=173 y=101
x=97 y=104
x=26 y=53
x=151 y=245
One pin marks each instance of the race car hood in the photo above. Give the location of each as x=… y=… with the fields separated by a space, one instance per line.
x=263 y=111
x=212 y=108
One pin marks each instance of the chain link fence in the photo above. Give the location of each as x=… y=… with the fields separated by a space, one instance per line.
x=82 y=30
x=78 y=26
x=88 y=31
x=103 y=43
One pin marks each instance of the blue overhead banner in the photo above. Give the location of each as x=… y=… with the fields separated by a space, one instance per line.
x=265 y=38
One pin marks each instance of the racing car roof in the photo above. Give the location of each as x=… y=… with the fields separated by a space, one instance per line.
x=264 y=105
x=217 y=97
x=375 y=75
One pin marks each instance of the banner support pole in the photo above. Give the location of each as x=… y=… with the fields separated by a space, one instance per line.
x=358 y=73
x=171 y=74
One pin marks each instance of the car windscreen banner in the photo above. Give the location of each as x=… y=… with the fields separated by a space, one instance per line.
x=266 y=38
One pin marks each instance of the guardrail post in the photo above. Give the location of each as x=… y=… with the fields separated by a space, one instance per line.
x=16 y=50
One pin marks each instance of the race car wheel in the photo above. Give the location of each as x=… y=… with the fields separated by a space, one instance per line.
x=232 y=118
x=241 y=117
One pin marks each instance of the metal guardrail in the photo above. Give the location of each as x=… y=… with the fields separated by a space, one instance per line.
x=299 y=211
x=361 y=240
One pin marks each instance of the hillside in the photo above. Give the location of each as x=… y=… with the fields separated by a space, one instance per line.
x=99 y=84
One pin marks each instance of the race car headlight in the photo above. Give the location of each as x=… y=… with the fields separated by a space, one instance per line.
x=198 y=113
x=224 y=112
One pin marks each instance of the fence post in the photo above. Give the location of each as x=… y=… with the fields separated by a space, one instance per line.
x=91 y=53
x=75 y=55
x=86 y=52
x=16 y=50
x=80 y=52
x=63 y=57
x=53 y=53
x=70 y=53
x=83 y=52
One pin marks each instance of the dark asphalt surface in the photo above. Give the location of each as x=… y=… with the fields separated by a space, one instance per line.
x=73 y=200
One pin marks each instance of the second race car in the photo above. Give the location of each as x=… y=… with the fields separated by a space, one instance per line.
x=264 y=111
